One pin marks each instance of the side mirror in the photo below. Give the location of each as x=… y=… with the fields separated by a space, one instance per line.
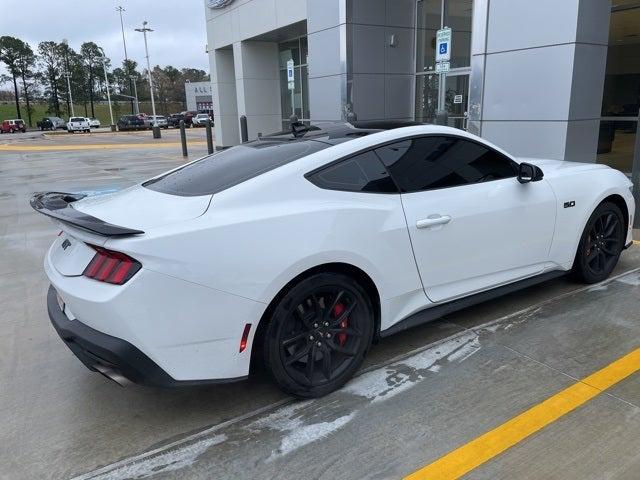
x=529 y=173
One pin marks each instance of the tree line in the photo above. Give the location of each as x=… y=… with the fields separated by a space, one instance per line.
x=44 y=75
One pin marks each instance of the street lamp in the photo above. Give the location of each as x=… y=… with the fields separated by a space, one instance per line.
x=121 y=9
x=106 y=81
x=133 y=79
x=144 y=30
x=68 y=75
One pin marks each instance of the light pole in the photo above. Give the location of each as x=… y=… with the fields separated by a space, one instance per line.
x=144 y=30
x=106 y=81
x=120 y=9
x=132 y=78
x=68 y=75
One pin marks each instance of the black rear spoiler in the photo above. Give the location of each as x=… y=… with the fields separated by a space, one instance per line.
x=58 y=205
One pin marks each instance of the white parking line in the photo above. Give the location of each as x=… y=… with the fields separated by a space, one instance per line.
x=182 y=448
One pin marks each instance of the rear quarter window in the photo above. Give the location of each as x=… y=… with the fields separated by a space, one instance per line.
x=361 y=173
x=217 y=172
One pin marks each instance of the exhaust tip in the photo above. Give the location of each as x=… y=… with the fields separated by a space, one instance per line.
x=113 y=375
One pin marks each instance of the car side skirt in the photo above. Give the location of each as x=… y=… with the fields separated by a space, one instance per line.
x=439 y=311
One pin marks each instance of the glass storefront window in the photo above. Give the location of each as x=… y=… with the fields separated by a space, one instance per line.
x=426 y=98
x=457 y=15
x=428 y=22
x=456 y=100
x=296 y=100
x=289 y=50
x=616 y=144
x=617 y=140
x=431 y=14
x=622 y=80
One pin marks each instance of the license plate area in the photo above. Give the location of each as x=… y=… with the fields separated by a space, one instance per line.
x=70 y=256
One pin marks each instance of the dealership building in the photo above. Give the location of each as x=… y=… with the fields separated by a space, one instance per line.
x=544 y=78
x=198 y=96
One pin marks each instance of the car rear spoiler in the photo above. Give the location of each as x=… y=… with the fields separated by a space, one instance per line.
x=58 y=205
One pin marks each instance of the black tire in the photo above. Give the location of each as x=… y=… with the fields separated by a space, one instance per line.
x=326 y=319
x=601 y=244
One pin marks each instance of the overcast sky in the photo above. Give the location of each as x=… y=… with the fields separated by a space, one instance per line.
x=179 y=38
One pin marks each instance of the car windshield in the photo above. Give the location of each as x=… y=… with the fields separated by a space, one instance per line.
x=217 y=172
x=77 y=119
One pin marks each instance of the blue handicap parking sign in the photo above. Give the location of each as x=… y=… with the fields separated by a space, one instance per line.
x=443 y=48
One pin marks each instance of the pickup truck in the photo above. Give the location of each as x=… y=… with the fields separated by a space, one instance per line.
x=78 y=124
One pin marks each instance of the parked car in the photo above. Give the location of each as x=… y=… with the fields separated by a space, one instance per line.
x=93 y=122
x=160 y=119
x=131 y=122
x=47 y=123
x=201 y=119
x=304 y=247
x=174 y=120
x=58 y=122
x=12 y=126
x=78 y=124
x=188 y=116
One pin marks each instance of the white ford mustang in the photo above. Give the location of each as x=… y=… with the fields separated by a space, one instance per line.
x=299 y=249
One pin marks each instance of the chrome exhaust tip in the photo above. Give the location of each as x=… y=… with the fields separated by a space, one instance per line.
x=113 y=375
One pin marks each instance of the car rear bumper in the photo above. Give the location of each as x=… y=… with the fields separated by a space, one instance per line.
x=190 y=332
x=113 y=357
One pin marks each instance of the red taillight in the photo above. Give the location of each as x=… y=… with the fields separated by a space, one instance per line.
x=245 y=336
x=111 y=267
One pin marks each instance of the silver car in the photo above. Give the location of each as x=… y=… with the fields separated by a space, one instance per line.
x=160 y=119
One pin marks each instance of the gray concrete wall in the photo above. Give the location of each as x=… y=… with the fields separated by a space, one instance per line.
x=258 y=86
x=538 y=75
x=223 y=89
x=327 y=40
x=362 y=58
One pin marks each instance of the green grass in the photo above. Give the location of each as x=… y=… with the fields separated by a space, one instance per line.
x=8 y=111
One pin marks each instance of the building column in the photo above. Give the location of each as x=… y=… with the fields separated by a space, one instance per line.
x=223 y=92
x=257 y=78
x=327 y=40
x=537 y=85
x=362 y=59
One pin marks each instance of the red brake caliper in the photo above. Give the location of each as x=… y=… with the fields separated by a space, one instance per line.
x=337 y=311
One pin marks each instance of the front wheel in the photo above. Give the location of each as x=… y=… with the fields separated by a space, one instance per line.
x=600 y=245
x=318 y=335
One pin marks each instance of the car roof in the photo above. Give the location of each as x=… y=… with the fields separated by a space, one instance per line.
x=334 y=133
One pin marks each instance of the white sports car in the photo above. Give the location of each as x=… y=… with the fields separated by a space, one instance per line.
x=299 y=249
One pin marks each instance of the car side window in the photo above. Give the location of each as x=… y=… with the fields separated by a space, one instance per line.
x=432 y=162
x=361 y=173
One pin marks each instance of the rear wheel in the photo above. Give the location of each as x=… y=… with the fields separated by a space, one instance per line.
x=318 y=335
x=600 y=245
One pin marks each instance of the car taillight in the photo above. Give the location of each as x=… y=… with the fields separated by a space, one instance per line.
x=111 y=267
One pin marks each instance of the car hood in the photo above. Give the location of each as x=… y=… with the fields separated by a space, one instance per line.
x=140 y=208
x=561 y=167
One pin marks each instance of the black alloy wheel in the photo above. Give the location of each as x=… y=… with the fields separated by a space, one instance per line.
x=319 y=334
x=601 y=244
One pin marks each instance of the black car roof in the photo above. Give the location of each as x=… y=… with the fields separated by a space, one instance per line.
x=334 y=133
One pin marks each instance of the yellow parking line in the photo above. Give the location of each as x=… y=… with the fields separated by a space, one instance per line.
x=97 y=146
x=462 y=460
x=636 y=242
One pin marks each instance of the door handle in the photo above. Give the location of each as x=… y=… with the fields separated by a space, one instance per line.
x=433 y=221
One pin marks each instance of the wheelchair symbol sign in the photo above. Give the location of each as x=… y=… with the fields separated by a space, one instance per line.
x=443 y=42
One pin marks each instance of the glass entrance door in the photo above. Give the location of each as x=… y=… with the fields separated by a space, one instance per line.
x=430 y=16
x=457 y=99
